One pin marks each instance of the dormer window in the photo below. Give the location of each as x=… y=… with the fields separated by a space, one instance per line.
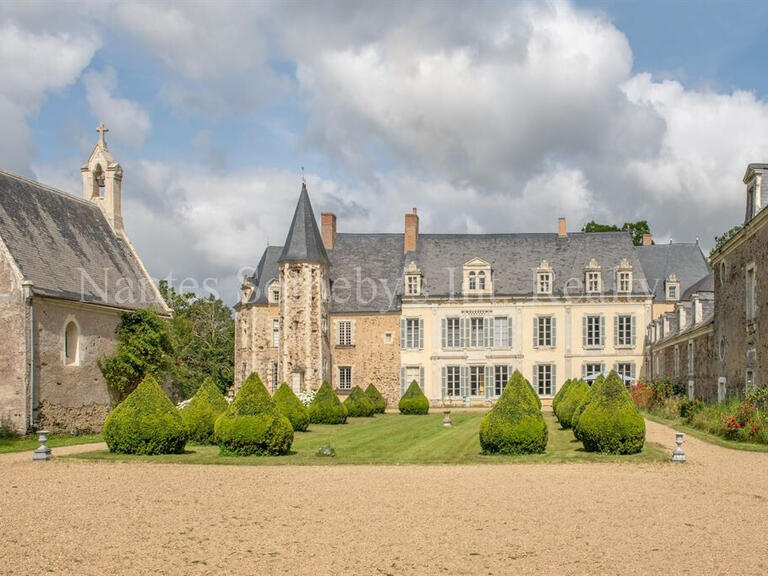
x=672 y=286
x=273 y=293
x=544 y=278
x=481 y=280
x=246 y=291
x=472 y=281
x=412 y=280
x=593 y=280
x=477 y=277
x=624 y=277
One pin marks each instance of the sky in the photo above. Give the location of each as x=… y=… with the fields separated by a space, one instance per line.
x=487 y=117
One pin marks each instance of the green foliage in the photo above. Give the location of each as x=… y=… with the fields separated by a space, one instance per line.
x=202 y=334
x=358 y=404
x=379 y=402
x=252 y=423
x=142 y=350
x=587 y=398
x=146 y=422
x=561 y=393
x=722 y=240
x=289 y=405
x=515 y=424
x=611 y=423
x=326 y=407
x=199 y=416
x=578 y=393
x=637 y=229
x=414 y=401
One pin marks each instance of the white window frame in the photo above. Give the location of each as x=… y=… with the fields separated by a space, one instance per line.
x=595 y=331
x=473 y=332
x=544 y=332
x=624 y=282
x=412 y=333
x=545 y=385
x=500 y=378
x=413 y=284
x=345 y=333
x=501 y=332
x=345 y=378
x=544 y=282
x=472 y=281
x=275 y=333
x=453 y=332
x=593 y=282
x=624 y=340
x=589 y=368
x=625 y=369
x=477 y=381
x=453 y=381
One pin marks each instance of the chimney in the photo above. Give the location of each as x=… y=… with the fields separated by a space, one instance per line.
x=647 y=239
x=411 y=232
x=328 y=229
x=562 y=231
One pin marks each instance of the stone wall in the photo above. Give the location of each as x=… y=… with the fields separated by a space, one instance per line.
x=72 y=397
x=374 y=358
x=254 y=351
x=13 y=359
x=704 y=372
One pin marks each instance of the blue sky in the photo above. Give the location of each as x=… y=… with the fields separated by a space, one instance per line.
x=487 y=117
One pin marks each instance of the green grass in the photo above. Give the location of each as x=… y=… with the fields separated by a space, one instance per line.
x=16 y=444
x=398 y=439
x=681 y=426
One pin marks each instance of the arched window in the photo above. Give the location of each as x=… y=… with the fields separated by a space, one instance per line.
x=71 y=343
x=98 y=182
x=481 y=280
x=472 y=281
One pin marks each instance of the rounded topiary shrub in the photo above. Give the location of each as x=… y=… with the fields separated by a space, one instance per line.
x=515 y=424
x=578 y=392
x=379 y=402
x=561 y=393
x=597 y=383
x=199 y=416
x=414 y=401
x=289 y=405
x=252 y=424
x=326 y=407
x=611 y=423
x=358 y=404
x=146 y=422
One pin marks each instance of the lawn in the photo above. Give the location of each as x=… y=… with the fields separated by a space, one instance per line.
x=398 y=439
x=15 y=444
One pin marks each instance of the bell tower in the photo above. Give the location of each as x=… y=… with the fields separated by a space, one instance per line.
x=102 y=180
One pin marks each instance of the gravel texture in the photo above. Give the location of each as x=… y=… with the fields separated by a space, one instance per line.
x=707 y=516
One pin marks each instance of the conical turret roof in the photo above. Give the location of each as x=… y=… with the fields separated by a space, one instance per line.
x=304 y=242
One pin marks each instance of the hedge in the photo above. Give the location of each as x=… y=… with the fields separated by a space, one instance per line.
x=326 y=407
x=579 y=408
x=561 y=393
x=289 y=405
x=578 y=392
x=379 y=402
x=515 y=424
x=611 y=423
x=358 y=404
x=199 y=416
x=414 y=401
x=252 y=423
x=146 y=422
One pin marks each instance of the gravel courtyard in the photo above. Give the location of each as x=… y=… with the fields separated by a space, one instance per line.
x=708 y=516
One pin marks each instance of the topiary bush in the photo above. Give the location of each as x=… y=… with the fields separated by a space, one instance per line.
x=515 y=424
x=414 y=401
x=289 y=405
x=252 y=424
x=358 y=404
x=199 y=416
x=611 y=423
x=379 y=402
x=583 y=404
x=326 y=407
x=578 y=392
x=146 y=422
x=562 y=393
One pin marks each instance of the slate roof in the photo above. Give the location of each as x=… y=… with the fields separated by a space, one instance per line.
x=267 y=271
x=706 y=284
x=304 y=242
x=58 y=240
x=686 y=261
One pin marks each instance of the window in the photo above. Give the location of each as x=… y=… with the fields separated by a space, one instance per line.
x=500 y=379
x=275 y=333
x=625 y=330
x=388 y=337
x=274 y=376
x=71 y=344
x=453 y=333
x=544 y=379
x=410 y=374
x=722 y=273
x=477 y=332
x=627 y=371
x=672 y=292
x=690 y=358
x=345 y=378
x=592 y=369
x=593 y=282
x=501 y=332
x=275 y=294
x=593 y=331
x=481 y=280
x=413 y=285
x=453 y=381
x=625 y=281
x=677 y=361
x=723 y=348
x=750 y=378
x=544 y=331
x=345 y=333
x=472 y=281
x=477 y=380
x=412 y=337
x=750 y=290
x=544 y=284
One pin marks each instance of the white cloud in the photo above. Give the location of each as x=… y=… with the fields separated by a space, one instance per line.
x=127 y=120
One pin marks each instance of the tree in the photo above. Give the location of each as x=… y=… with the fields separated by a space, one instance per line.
x=202 y=334
x=143 y=349
x=637 y=229
x=722 y=240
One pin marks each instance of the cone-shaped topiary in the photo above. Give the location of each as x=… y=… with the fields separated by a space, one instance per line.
x=578 y=392
x=611 y=423
x=146 y=422
x=358 y=404
x=560 y=395
x=252 y=424
x=515 y=425
x=379 y=402
x=201 y=413
x=326 y=407
x=584 y=403
x=289 y=405
x=414 y=401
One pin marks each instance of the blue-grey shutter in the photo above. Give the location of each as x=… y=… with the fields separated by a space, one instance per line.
x=403 y=333
x=602 y=330
x=403 y=385
x=554 y=332
x=583 y=370
x=534 y=380
x=444 y=332
x=421 y=334
x=615 y=329
x=632 y=330
x=509 y=331
x=421 y=378
x=488 y=381
x=535 y=332
x=445 y=381
x=464 y=329
x=553 y=389
x=510 y=371
x=488 y=331
x=584 y=323
x=464 y=381
x=632 y=368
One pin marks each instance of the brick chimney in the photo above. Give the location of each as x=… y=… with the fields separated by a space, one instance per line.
x=411 y=232
x=562 y=230
x=328 y=229
x=647 y=239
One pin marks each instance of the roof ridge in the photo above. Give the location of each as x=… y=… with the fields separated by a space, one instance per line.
x=47 y=188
